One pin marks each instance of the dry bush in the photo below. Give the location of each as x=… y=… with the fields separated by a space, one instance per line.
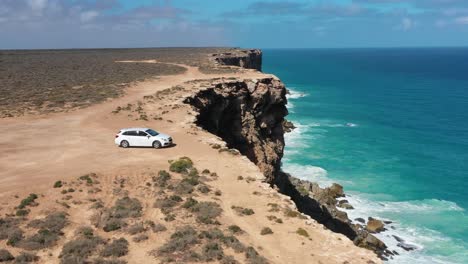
x=5 y=255
x=116 y=248
x=26 y=257
x=207 y=212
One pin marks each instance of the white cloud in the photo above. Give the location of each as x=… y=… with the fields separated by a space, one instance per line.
x=87 y=16
x=462 y=20
x=37 y=5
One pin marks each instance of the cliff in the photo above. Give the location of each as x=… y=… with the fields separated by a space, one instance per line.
x=250 y=116
x=249 y=59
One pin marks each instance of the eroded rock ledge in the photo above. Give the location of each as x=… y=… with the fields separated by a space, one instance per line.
x=250 y=116
x=249 y=59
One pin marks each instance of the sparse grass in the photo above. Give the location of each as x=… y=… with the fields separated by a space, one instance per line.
x=136 y=229
x=293 y=213
x=302 y=232
x=114 y=218
x=253 y=257
x=162 y=178
x=87 y=179
x=116 y=248
x=266 y=231
x=28 y=201
x=180 y=241
x=275 y=219
x=274 y=207
x=212 y=251
x=49 y=232
x=52 y=81
x=242 y=211
x=189 y=203
x=139 y=238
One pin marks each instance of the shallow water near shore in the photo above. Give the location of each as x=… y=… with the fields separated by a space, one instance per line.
x=391 y=126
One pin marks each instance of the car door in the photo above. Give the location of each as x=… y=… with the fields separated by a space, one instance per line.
x=131 y=137
x=144 y=139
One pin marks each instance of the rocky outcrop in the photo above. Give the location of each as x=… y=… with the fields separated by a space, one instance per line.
x=249 y=59
x=249 y=116
x=375 y=225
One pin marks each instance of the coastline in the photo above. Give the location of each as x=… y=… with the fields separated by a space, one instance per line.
x=200 y=145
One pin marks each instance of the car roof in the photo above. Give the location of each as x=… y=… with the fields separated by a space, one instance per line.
x=134 y=128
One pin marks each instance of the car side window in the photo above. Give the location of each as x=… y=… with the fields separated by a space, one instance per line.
x=142 y=134
x=130 y=133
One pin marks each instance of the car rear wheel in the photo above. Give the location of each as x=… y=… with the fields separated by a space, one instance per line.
x=156 y=144
x=124 y=144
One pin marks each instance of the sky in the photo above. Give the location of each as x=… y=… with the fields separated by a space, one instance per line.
x=43 y=24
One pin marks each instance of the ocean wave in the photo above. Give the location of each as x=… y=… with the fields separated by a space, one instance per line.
x=308 y=172
x=295 y=94
x=424 y=239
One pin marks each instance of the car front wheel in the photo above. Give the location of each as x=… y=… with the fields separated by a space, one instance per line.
x=156 y=144
x=124 y=144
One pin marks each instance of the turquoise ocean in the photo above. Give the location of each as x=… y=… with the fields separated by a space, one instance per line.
x=391 y=126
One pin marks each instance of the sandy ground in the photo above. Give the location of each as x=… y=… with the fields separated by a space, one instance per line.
x=38 y=150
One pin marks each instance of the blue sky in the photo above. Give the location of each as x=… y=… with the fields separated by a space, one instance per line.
x=244 y=23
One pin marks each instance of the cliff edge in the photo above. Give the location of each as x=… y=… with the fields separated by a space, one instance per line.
x=250 y=116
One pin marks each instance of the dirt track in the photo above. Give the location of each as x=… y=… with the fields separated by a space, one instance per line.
x=38 y=149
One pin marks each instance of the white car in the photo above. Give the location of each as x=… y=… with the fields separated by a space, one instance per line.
x=142 y=137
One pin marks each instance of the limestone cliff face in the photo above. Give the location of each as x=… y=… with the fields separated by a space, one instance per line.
x=249 y=116
x=249 y=59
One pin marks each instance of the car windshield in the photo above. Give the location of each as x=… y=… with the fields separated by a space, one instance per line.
x=152 y=132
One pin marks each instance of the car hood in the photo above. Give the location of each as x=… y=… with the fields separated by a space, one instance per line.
x=161 y=135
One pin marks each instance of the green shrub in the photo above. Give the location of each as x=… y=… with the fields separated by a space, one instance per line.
x=181 y=165
x=86 y=178
x=204 y=189
x=266 y=231
x=22 y=212
x=302 y=232
x=162 y=178
x=58 y=184
x=242 y=211
x=235 y=229
x=253 y=257
x=189 y=203
x=30 y=200
x=15 y=237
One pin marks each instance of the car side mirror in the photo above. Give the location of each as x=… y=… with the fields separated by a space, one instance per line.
x=149 y=136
